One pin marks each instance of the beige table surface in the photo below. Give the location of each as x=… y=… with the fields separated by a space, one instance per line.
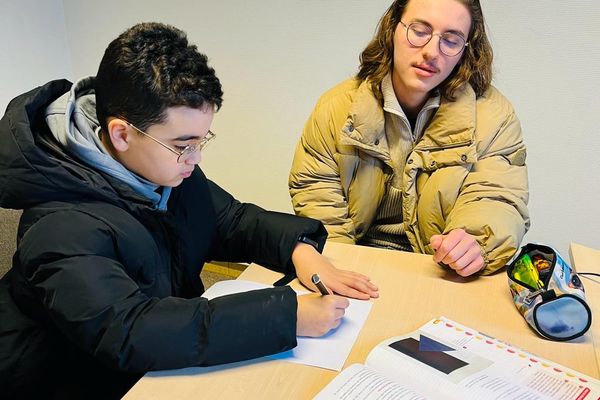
x=413 y=290
x=586 y=259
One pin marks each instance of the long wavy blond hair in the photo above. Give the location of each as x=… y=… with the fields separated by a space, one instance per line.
x=475 y=66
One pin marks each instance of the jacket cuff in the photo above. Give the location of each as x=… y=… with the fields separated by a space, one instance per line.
x=311 y=229
x=250 y=325
x=316 y=238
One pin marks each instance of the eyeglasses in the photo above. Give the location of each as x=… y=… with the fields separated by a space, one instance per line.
x=186 y=151
x=419 y=34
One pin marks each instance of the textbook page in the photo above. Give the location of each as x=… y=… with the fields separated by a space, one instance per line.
x=360 y=382
x=329 y=351
x=445 y=360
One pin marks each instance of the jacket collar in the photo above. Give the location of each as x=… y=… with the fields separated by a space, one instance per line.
x=452 y=125
x=454 y=122
x=366 y=121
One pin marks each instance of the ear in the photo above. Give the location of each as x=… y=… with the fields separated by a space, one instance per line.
x=118 y=132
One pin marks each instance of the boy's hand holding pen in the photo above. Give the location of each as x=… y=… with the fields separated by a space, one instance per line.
x=318 y=314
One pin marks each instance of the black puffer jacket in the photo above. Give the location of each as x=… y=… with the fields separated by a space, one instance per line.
x=104 y=287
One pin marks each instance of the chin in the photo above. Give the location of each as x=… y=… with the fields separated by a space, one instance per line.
x=171 y=183
x=424 y=86
x=175 y=183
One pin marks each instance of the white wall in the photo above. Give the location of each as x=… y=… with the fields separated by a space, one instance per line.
x=33 y=48
x=275 y=57
x=547 y=57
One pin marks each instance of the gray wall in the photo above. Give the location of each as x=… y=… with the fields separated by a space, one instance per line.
x=275 y=57
x=33 y=48
x=547 y=56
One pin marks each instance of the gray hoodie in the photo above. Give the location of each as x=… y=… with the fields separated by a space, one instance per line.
x=72 y=120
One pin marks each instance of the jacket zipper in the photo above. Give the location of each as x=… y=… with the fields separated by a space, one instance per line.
x=450 y=146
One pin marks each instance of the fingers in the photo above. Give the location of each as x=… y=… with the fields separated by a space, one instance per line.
x=351 y=286
x=459 y=250
x=336 y=316
x=471 y=263
x=317 y=315
x=336 y=323
x=351 y=276
x=357 y=275
x=353 y=293
x=447 y=243
x=364 y=290
x=369 y=285
x=360 y=284
x=339 y=313
x=435 y=241
x=337 y=302
x=347 y=283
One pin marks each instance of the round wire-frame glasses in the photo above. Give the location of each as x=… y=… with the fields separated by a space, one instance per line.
x=184 y=154
x=419 y=34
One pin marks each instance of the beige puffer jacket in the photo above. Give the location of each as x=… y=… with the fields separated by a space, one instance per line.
x=467 y=171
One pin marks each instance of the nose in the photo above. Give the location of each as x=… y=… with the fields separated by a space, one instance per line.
x=432 y=49
x=194 y=158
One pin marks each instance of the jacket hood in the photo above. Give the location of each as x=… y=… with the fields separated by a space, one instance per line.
x=73 y=122
x=35 y=168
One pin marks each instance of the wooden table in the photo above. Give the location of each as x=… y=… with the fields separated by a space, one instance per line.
x=413 y=290
x=586 y=259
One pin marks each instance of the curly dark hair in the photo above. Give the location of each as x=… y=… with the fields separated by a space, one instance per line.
x=149 y=68
x=475 y=66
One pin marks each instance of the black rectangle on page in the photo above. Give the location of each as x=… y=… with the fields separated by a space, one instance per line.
x=436 y=359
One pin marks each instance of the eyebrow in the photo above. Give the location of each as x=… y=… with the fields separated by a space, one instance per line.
x=455 y=31
x=183 y=138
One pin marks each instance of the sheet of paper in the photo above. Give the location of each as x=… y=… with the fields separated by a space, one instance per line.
x=329 y=351
x=226 y=287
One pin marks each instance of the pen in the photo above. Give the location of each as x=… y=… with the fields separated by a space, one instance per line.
x=316 y=279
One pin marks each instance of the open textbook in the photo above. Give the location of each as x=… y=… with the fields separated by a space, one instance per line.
x=445 y=360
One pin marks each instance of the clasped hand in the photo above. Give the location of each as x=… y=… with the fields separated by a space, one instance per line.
x=459 y=250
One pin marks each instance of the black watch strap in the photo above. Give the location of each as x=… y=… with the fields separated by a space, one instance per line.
x=307 y=240
x=287 y=278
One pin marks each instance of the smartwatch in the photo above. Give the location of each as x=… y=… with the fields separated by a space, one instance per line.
x=307 y=240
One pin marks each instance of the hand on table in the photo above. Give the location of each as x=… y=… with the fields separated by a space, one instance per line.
x=459 y=250
x=309 y=261
x=318 y=314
